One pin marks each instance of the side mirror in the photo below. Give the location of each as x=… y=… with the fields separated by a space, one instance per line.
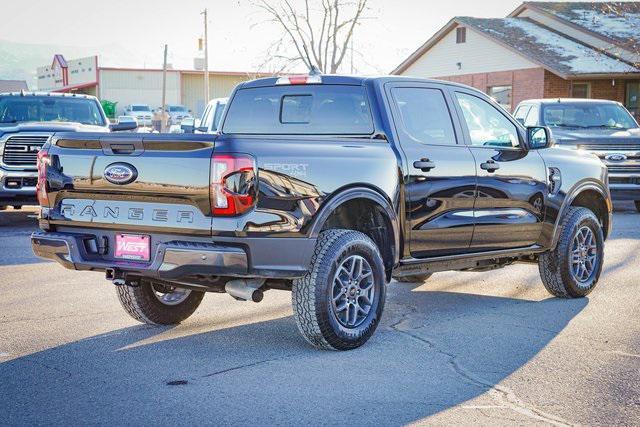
x=539 y=137
x=202 y=129
x=123 y=126
x=521 y=121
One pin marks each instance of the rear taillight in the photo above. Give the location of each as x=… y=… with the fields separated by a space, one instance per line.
x=234 y=184
x=44 y=161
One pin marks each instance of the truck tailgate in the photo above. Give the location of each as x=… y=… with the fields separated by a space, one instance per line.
x=131 y=182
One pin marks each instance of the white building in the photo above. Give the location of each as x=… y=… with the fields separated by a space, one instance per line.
x=137 y=85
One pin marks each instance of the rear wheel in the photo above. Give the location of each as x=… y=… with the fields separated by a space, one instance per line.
x=573 y=268
x=157 y=303
x=414 y=278
x=339 y=302
x=637 y=202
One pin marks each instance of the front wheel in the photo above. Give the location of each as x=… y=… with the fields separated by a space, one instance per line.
x=637 y=202
x=338 y=303
x=573 y=268
x=158 y=303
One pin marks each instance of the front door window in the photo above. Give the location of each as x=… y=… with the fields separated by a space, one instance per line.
x=487 y=126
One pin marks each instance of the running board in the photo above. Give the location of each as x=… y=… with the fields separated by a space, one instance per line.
x=471 y=261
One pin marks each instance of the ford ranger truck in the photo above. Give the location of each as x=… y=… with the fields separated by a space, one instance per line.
x=604 y=128
x=326 y=186
x=27 y=120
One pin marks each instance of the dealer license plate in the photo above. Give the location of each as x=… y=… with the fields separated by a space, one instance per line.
x=133 y=246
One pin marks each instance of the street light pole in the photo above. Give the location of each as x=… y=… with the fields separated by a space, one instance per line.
x=206 y=59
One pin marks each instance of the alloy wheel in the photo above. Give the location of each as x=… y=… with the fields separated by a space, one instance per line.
x=353 y=291
x=170 y=295
x=584 y=255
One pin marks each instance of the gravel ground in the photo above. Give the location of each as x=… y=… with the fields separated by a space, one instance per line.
x=462 y=348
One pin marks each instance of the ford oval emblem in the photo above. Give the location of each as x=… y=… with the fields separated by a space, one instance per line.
x=616 y=157
x=120 y=173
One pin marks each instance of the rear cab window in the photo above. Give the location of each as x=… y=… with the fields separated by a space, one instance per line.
x=321 y=109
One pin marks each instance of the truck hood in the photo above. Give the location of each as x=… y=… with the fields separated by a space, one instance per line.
x=593 y=136
x=51 y=127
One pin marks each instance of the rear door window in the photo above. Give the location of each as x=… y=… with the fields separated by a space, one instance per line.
x=300 y=109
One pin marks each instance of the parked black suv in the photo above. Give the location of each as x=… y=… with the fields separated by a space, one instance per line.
x=604 y=128
x=325 y=186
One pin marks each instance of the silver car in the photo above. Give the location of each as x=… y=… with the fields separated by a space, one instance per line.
x=141 y=112
x=177 y=113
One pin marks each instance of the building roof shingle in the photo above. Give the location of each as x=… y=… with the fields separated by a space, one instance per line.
x=617 y=21
x=555 y=51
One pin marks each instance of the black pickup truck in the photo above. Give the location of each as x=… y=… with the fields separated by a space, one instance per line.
x=327 y=186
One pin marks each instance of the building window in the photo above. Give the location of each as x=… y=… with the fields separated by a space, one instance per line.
x=580 y=90
x=502 y=95
x=461 y=35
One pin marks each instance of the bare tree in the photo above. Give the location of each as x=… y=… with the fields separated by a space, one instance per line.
x=314 y=32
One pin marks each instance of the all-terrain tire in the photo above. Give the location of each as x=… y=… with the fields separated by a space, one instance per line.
x=637 y=203
x=414 y=278
x=312 y=295
x=556 y=266
x=141 y=303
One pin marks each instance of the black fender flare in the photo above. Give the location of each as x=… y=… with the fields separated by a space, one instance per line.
x=358 y=193
x=572 y=195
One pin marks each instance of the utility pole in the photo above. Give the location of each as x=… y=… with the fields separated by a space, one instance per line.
x=206 y=59
x=164 y=91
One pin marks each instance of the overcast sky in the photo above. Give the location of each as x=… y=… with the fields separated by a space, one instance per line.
x=238 y=34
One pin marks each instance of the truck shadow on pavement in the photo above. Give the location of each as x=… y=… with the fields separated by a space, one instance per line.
x=433 y=351
x=15 y=245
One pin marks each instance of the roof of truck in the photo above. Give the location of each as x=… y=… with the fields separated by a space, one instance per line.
x=338 y=79
x=568 y=100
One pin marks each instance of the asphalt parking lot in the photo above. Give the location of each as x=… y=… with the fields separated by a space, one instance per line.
x=487 y=348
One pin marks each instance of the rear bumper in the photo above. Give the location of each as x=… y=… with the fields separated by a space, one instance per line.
x=177 y=260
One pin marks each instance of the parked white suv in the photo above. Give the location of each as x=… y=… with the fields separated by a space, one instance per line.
x=141 y=112
x=177 y=113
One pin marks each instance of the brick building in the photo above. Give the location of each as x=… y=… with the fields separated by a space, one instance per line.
x=541 y=50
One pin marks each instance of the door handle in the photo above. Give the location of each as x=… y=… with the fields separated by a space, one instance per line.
x=425 y=165
x=490 y=166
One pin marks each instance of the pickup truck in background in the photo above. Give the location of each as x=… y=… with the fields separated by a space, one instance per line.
x=178 y=113
x=604 y=128
x=210 y=120
x=27 y=120
x=141 y=112
x=326 y=186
